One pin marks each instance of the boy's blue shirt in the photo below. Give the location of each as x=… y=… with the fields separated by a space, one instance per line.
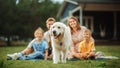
x=40 y=46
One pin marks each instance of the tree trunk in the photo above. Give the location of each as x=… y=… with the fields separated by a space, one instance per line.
x=8 y=42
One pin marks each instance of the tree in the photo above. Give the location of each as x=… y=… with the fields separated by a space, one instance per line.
x=7 y=8
x=23 y=18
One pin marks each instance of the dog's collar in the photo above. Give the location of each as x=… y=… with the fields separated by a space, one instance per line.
x=61 y=44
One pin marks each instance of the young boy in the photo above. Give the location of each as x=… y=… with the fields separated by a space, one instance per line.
x=86 y=47
x=40 y=47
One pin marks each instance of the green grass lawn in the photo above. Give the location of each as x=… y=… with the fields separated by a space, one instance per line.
x=108 y=50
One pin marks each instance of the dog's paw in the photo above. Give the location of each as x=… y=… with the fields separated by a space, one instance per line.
x=55 y=62
x=64 y=61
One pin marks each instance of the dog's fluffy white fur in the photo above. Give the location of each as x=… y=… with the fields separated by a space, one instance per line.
x=61 y=41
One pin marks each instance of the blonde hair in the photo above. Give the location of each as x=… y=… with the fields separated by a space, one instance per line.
x=88 y=31
x=37 y=30
x=50 y=19
x=76 y=19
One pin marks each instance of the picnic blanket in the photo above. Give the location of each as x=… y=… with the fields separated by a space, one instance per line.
x=101 y=56
x=98 y=56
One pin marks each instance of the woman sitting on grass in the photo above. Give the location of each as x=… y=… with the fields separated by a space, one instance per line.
x=77 y=35
x=40 y=48
x=86 y=47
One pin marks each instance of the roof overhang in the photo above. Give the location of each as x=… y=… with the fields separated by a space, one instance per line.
x=64 y=5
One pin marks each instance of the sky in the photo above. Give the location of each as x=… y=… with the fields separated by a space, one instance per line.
x=60 y=1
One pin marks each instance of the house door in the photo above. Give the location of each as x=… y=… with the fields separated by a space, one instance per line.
x=88 y=22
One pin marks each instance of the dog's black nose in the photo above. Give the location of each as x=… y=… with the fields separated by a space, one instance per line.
x=54 y=32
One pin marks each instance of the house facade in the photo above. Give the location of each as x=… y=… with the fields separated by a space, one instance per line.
x=100 y=16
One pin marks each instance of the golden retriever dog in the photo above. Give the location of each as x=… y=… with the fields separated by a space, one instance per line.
x=61 y=41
